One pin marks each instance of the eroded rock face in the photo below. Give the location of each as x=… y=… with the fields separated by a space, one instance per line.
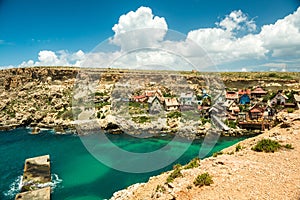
x=32 y=96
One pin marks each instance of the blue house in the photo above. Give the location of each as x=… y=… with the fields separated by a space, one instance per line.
x=244 y=99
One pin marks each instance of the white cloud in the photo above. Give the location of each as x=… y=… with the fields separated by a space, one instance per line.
x=223 y=44
x=139 y=29
x=237 y=20
x=244 y=69
x=283 y=37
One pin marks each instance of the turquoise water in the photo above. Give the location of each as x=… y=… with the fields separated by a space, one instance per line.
x=76 y=173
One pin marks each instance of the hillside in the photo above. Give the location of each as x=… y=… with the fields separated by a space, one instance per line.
x=239 y=173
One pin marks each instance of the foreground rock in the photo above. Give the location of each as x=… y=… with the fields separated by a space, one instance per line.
x=41 y=194
x=242 y=174
x=35 y=178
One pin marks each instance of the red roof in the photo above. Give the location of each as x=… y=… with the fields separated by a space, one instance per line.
x=255 y=110
x=247 y=91
x=259 y=91
x=139 y=97
x=232 y=95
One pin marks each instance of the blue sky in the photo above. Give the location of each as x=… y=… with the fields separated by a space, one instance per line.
x=31 y=26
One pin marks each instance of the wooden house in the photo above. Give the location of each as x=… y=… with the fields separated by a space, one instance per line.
x=234 y=108
x=256 y=112
x=231 y=95
x=171 y=104
x=244 y=99
x=258 y=92
x=154 y=105
x=279 y=99
x=187 y=98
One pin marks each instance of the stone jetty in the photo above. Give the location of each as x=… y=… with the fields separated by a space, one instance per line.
x=35 y=178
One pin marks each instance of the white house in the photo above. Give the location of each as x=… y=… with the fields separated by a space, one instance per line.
x=279 y=99
x=187 y=98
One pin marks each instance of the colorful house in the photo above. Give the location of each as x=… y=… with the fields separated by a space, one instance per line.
x=234 y=108
x=255 y=112
x=231 y=95
x=154 y=105
x=171 y=103
x=279 y=99
x=187 y=98
x=244 y=99
x=258 y=92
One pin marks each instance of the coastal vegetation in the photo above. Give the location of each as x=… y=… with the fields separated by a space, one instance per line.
x=266 y=145
x=238 y=147
x=217 y=153
x=203 y=179
x=195 y=162
x=175 y=173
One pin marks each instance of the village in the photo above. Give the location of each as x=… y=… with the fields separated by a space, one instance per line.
x=248 y=108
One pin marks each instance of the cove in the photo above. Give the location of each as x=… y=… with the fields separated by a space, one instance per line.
x=76 y=173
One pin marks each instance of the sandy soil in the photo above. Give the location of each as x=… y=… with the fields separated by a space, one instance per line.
x=245 y=174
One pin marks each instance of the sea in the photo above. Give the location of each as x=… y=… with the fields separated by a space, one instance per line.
x=76 y=173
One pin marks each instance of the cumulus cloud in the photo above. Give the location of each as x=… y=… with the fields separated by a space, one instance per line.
x=283 y=37
x=139 y=29
x=279 y=39
x=237 y=20
x=223 y=44
x=51 y=58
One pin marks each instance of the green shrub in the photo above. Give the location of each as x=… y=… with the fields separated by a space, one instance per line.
x=290 y=110
x=217 y=153
x=141 y=119
x=134 y=104
x=175 y=174
x=160 y=188
x=203 y=179
x=238 y=147
x=189 y=187
x=174 y=114
x=177 y=166
x=288 y=146
x=266 y=145
x=195 y=162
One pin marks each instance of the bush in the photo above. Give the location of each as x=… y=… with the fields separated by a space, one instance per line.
x=217 y=153
x=175 y=174
x=195 y=162
x=141 y=119
x=266 y=145
x=288 y=146
x=160 y=188
x=203 y=179
x=177 y=166
x=238 y=147
x=290 y=110
x=174 y=114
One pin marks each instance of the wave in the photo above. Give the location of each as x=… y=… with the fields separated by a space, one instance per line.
x=14 y=188
x=16 y=185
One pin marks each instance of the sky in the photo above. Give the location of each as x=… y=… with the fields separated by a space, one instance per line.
x=236 y=35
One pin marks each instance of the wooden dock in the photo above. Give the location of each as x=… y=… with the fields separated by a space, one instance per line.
x=36 y=173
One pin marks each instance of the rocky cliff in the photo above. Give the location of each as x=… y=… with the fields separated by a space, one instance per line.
x=36 y=96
